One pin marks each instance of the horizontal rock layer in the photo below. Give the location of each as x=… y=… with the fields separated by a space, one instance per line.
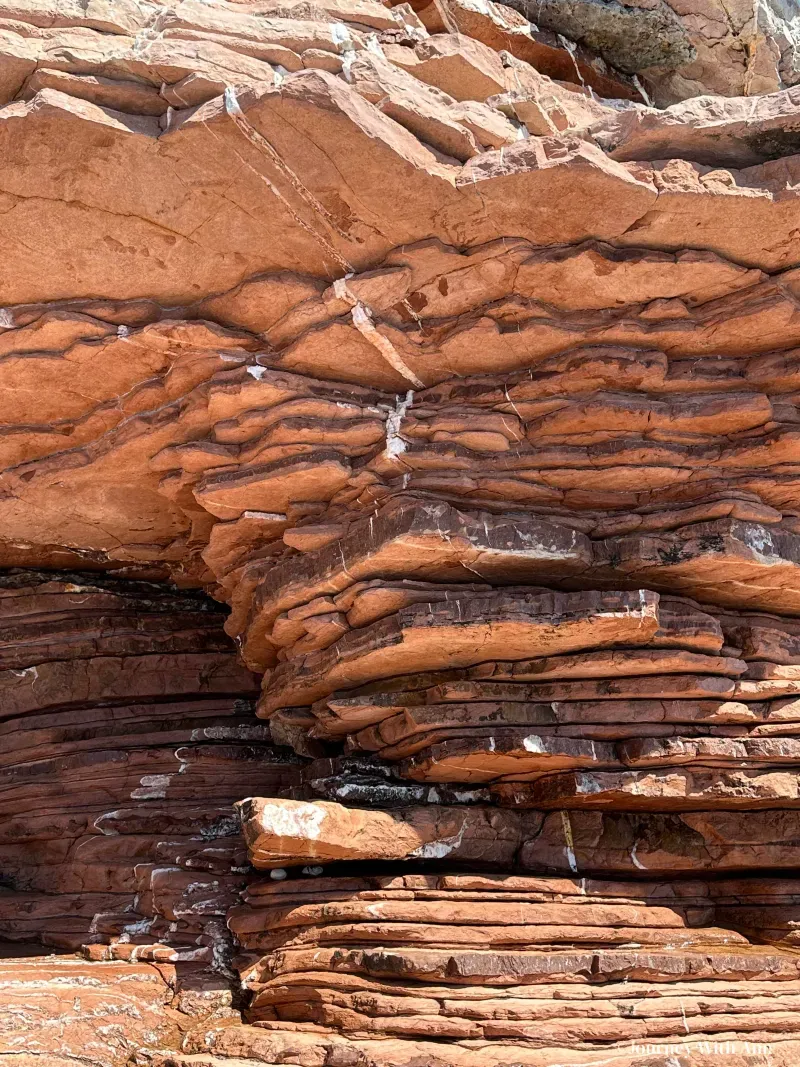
x=634 y=699
x=251 y=1044
x=593 y=325
x=286 y=833
x=127 y=735
x=515 y=966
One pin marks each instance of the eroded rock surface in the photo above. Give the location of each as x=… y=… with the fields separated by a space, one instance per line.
x=128 y=733
x=61 y=1010
x=400 y=533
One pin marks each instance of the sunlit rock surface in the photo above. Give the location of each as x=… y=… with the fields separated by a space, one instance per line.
x=399 y=533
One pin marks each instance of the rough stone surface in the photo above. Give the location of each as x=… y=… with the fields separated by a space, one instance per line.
x=288 y=833
x=61 y=1010
x=64 y=1010
x=683 y=50
x=399 y=533
x=127 y=734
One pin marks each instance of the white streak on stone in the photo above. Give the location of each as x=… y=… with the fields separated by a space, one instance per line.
x=362 y=320
x=395 y=445
x=636 y=861
x=299 y=821
x=437 y=850
x=152 y=787
x=569 y=848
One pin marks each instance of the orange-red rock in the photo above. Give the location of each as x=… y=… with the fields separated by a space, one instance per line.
x=453 y=347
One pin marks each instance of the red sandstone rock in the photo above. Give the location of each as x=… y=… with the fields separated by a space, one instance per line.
x=123 y=708
x=744 y=132
x=686 y=844
x=358 y=991
x=421 y=338
x=59 y=1010
x=286 y=833
x=311 y=1049
x=662 y=789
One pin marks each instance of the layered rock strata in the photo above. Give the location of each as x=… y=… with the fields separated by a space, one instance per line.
x=503 y=959
x=451 y=346
x=638 y=777
x=545 y=298
x=127 y=733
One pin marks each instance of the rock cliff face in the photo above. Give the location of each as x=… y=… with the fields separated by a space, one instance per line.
x=399 y=533
x=128 y=733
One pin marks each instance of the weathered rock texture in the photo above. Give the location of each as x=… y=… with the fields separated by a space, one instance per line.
x=680 y=49
x=450 y=349
x=63 y=1010
x=127 y=733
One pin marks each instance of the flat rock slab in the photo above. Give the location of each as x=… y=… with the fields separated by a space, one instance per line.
x=237 y=1045
x=420 y=639
x=285 y=833
x=661 y=790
